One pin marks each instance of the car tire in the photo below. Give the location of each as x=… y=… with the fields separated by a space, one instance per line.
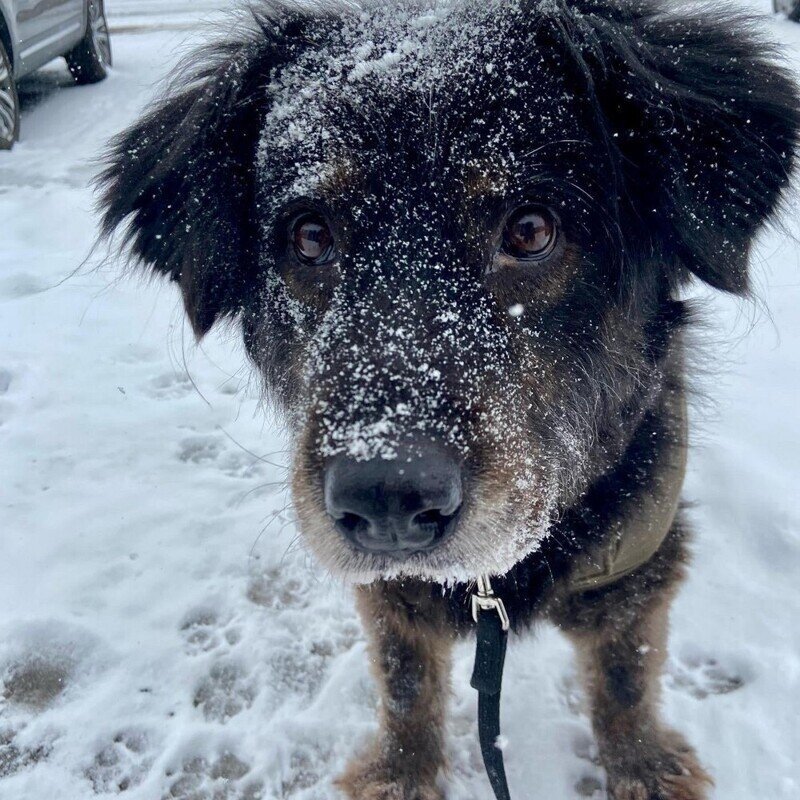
x=90 y=59
x=9 y=103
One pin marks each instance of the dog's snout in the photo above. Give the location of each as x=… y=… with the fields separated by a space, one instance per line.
x=394 y=507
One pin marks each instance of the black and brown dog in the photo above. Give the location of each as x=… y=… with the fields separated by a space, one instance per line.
x=455 y=235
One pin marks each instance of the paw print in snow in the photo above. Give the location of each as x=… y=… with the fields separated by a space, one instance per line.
x=5 y=380
x=278 y=589
x=589 y=786
x=120 y=765
x=203 y=631
x=703 y=677
x=6 y=406
x=200 y=449
x=225 y=692
x=170 y=386
x=208 y=450
x=224 y=779
x=14 y=757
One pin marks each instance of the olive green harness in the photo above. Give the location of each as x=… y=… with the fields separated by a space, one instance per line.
x=643 y=523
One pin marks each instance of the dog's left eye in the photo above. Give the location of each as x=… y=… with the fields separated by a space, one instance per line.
x=312 y=239
x=530 y=234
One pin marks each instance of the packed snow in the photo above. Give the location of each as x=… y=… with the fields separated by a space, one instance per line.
x=163 y=633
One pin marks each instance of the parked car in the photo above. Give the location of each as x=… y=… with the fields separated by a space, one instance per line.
x=789 y=7
x=33 y=32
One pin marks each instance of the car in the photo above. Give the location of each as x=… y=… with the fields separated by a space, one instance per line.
x=789 y=7
x=33 y=32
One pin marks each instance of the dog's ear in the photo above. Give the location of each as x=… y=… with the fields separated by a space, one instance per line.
x=180 y=181
x=704 y=125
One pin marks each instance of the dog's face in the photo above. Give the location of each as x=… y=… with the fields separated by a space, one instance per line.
x=424 y=238
x=453 y=234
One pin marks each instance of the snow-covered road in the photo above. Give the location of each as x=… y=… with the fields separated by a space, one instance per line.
x=162 y=634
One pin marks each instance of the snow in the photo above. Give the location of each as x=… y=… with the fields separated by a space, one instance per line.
x=161 y=629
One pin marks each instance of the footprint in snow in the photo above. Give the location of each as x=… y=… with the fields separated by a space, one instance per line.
x=209 y=450
x=585 y=748
x=6 y=407
x=589 y=786
x=278 y=588
x=32 y=679
x=308 y=766
x=299 y=669
x=34 y=682
x=15 y=757
x=137 y=353
x=5 y=380
x=591 y=782
x=169 y=386
x=225 y=692
x=223 y=779
x=703 y=677
x=40 y=663
x=120 y=765
x=203 y=631
x=21 y=284
x=200 y=449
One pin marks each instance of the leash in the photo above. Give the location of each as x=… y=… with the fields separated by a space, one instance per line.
x=490 y=614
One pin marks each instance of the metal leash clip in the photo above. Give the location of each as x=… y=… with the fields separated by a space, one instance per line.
x=484 y=599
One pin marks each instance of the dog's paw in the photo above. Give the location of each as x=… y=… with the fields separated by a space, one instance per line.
x=666 y=771
x=378 y=780
x=396 y=791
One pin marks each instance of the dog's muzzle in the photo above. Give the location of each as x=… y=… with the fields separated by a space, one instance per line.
x=409 y=504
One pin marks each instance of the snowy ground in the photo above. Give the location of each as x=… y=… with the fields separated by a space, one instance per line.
x=162 y=634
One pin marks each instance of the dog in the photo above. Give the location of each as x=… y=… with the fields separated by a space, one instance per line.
x=455 y=237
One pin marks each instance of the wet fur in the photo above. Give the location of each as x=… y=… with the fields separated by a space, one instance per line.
x=689 y=134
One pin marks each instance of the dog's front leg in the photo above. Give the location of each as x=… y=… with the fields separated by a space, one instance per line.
x=410 y=655
x=621 y=637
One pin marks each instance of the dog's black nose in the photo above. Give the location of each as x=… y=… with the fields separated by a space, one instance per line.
x=394 y=507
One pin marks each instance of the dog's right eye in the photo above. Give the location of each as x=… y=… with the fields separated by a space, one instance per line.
x=312 y=239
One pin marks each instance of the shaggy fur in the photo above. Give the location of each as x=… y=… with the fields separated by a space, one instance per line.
x=660 y=145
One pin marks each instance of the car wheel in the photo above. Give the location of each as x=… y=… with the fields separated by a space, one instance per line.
x=9 y=103
x=90 y=59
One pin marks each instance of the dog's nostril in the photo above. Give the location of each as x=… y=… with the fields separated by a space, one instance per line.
x=352 y=524
x=434 y=524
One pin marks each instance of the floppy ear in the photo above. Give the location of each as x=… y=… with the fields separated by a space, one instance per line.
x=182 y=178
x=704 y=125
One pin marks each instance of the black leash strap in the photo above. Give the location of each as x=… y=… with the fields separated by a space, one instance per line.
x=487 y=677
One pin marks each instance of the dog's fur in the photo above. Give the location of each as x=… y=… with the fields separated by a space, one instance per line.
x=663 y=143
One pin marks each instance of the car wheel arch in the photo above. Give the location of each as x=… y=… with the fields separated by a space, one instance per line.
x=6 y=40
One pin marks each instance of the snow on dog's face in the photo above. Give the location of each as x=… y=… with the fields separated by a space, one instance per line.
x=420 y=239
x=452 y=232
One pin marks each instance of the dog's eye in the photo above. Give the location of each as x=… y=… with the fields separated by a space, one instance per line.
x=530 y=234
x=312 y=239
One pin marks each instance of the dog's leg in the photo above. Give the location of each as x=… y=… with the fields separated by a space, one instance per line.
x=621 y=637
x=410 y=655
